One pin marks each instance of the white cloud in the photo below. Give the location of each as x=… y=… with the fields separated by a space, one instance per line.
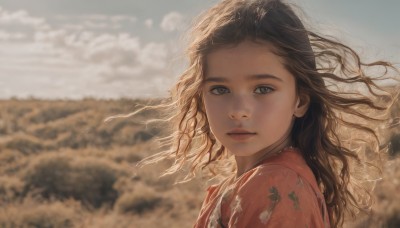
x=22 y=17
x=123 y=57
x=122 y=18
x=109 y=59
x=148 y=23
x=154 y=55
x=103 y=17
x=76 y=27
x=85 y=64
x=115 y=50
x=172 y=21
x=92 y=17
x=49 y=40
x=74 y=59
x=7 y=36
x=96 y=21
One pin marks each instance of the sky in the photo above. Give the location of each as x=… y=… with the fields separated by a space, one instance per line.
x=73 y=49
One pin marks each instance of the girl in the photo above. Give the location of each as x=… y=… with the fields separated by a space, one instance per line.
x=289 y=119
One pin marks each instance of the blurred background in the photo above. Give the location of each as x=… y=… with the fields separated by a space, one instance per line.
x=66 y=65
x=71 y=49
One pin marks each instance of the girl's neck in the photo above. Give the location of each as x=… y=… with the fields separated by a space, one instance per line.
x=245 y=164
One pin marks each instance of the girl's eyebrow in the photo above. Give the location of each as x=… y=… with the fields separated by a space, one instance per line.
x=248 y=78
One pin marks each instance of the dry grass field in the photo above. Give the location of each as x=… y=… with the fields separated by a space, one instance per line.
x=62 y=166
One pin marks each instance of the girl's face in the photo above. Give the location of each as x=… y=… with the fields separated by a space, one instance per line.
x=250 y=98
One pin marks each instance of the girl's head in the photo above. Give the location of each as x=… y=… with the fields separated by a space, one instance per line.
x=272 y=31
x=248 y=88
x=254 y=66
x=267 y=38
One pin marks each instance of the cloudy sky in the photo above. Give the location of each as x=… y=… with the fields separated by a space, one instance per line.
x=133 y=48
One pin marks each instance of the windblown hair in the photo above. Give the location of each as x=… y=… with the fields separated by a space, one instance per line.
x=339 y=135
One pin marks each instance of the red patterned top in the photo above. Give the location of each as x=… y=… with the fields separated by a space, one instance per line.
x=280 y=192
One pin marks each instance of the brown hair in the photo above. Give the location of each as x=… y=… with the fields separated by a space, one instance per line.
x=338 y=136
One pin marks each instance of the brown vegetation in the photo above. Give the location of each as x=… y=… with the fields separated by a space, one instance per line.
x=62 y=166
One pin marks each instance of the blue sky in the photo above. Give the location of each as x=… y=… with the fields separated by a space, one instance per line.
x=133 y=48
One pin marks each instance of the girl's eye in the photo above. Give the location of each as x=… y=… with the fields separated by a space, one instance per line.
x=263 y=89
x=219 y=90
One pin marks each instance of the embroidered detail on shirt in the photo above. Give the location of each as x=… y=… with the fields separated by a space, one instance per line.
x=236 y=206
x=215 y=219
x=264 y=216
x=300 y=182
x=236 y=209
x=295 y=200
x=221 y=225
x=215 y=216
x=275 y=198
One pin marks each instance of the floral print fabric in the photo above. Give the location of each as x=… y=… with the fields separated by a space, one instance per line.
x=280 y=192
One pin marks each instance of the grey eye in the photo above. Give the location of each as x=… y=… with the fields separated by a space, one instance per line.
x=219 y=90
x=263 y=89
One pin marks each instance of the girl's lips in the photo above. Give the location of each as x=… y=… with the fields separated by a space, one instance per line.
x=240 y=131
x=241 y=136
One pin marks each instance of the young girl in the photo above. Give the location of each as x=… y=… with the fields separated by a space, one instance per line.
x=288 y=118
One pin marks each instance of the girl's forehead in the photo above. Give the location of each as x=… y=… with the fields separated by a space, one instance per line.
x=247 y=57
x=244 y=49
x=245 y=60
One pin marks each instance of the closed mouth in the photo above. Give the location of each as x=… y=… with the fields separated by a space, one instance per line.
x=244 y=133
x=240 y=131
x=241 y=135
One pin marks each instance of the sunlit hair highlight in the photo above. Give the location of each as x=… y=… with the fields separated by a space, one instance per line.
x=340 y=136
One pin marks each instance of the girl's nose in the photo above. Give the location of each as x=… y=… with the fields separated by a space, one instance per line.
x=240 y=109
x=238 y=116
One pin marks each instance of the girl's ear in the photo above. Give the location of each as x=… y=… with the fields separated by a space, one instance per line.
x=303 y=101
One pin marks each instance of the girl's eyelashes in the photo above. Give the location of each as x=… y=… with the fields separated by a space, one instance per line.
x=219 y=90
x=264 y=89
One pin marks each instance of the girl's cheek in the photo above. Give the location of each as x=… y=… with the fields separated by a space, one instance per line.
x=216 y=106
x=214 y=99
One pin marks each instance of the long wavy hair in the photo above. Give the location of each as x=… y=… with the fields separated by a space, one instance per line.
x=340 y=135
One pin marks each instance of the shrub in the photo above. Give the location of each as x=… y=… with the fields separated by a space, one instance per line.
x=139 y=204
x=102 y=138
x=393 y=221
x=122 y=124
x=130 y=158
x=54 y=215
x=73 y=140
x=8 y=156
x=395 y=145
x=12 y=162
x=19 y=111
x=89 y=180
x=139 y=201
x=50 y=174
x=143 y=136
x=125 y=136
x=48 y=217
x=11 y=189
x=46 y=132
x=93 y=182
x=53 y=113
x=25 y=145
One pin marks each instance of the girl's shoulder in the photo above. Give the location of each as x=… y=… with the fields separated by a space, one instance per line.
x=276 y=193
x=288 y=168
x=281 y=191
